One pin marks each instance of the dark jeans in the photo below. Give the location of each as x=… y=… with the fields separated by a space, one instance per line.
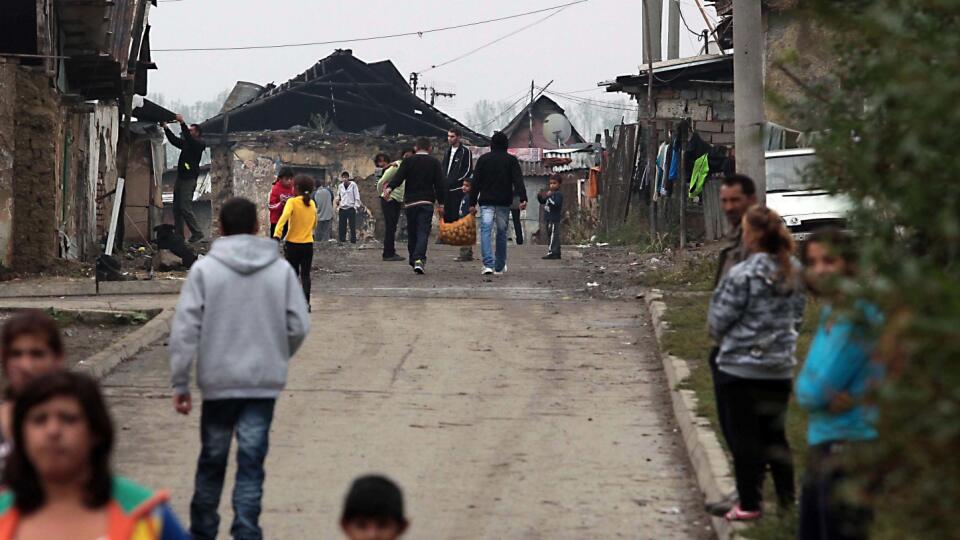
x=517 y=226
x=300 y=257
x=183 y=206
x=756 y=412
x=347 y=215
x=251 y=419
x=419 y=222
x=718 y=395
x=553 y=234
x=391 y=216
x=824 y=515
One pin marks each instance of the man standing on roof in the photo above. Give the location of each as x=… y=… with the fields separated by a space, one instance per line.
x=457 y=166
x=191 y=147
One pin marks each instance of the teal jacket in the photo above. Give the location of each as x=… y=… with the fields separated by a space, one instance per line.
x=839 y=361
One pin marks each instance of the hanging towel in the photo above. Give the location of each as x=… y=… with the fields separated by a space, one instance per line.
x=701 y=168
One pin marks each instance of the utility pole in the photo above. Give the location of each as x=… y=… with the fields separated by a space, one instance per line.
x=654 y=26
x=748 y=92
x=651 y=123
x=530 y=115
x=673 y=29
x=414 y=79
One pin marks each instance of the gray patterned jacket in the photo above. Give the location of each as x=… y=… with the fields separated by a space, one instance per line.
x=754 y=316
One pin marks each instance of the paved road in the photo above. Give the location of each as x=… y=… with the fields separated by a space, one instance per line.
x=513 y=407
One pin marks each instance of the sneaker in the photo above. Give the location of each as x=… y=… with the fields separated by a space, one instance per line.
x=736 y=514
x=550 y=257
x=394 y=258
x=487 y=271
x=194 y=238
x=501 y=272
x=418 y=267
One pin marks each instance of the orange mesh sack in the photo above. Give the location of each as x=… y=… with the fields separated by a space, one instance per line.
x=462 y=232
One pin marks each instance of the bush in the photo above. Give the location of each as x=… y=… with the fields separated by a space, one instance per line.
x=889 y=113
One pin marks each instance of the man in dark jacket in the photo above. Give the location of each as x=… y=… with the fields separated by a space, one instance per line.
x=424 y=187
x=457 y=166
x=496 y=179
x=191 y=148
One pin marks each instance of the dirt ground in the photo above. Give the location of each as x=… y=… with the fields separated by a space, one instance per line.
x=517 y=406
x=84 y=339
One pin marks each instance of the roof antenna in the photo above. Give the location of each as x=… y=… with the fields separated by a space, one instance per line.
x=414 y=78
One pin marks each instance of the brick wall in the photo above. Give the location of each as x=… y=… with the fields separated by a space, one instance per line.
x=709 y=107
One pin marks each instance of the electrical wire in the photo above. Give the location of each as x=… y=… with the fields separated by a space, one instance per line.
x=489 y=43
x=503 y=112
x=587 y=101
x=592 y=103
x=419 y=33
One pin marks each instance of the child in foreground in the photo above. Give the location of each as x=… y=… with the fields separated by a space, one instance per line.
x=373 y=510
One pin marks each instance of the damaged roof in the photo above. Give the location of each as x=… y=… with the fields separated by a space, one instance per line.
x=714 y=67
x=340 y=93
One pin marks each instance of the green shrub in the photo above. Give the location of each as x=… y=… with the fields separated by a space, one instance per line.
x=887 y=120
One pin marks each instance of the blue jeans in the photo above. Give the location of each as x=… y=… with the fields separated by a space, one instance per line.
x=487 y=216
x=219 y=418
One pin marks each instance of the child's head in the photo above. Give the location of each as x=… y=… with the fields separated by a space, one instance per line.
x=828 y=254
x=31 y=346
x=285 y=177
x=373 y=510
x=554 y=182
x=238 y=216
x=466 y=186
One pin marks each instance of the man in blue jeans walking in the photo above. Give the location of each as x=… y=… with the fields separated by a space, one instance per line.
x=242 y=342
x=497 y=178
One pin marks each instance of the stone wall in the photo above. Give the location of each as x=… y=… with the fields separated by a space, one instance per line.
x=247 y=163
x=38 y=133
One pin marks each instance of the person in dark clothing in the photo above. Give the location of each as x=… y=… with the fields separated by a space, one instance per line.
x=424 y=187
x=517 y=222
x=191 y=147
x=457 y=166
x=496 y=179
x=737 y=194
x=552 y=201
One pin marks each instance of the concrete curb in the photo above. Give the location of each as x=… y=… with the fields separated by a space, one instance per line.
x=101 y=364
x=88 y=288
x=703 y=447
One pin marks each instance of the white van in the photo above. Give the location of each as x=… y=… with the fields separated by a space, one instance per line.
x=803 y=207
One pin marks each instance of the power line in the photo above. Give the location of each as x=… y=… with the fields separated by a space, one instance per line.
x=592 y=102
x=509 y=108
x=419 y=33
x=489 y=43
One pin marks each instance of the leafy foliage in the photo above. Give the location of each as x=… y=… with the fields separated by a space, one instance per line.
x=887 y=116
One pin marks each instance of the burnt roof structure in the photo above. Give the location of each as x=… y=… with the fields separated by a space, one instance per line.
x=340 y=93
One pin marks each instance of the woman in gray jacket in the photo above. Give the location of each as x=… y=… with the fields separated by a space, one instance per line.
x=754 y=316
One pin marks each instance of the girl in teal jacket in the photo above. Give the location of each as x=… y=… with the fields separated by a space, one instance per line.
x=835 y=378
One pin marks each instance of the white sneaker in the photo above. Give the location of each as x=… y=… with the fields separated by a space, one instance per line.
x=502 y=272
x=487 y=271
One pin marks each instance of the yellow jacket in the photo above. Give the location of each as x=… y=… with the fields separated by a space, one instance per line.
x=301 y=218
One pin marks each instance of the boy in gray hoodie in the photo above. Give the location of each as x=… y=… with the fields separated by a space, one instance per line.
x=242 y=315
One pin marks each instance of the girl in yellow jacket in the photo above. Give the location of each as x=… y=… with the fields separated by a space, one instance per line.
x=300 y=216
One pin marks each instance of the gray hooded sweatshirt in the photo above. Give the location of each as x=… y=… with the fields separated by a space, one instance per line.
x=754 y=316
x=242 y=315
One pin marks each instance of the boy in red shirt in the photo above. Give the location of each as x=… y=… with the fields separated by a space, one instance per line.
x=282 y=190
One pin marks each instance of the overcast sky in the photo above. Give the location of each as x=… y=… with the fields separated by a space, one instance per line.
x=578 y=47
